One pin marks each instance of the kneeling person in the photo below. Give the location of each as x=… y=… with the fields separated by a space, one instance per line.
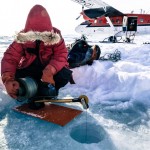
x=38 y=52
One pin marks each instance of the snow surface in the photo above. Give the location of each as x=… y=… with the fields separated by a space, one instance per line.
x=118 y=117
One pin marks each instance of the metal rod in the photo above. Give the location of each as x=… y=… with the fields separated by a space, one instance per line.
x=54 y=101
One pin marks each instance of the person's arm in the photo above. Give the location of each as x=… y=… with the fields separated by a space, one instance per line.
x=57 y=62
x=59 y=58
x=9 y=64
x=11 y=58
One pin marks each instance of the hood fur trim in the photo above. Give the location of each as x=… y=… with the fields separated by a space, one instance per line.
x=49 y=38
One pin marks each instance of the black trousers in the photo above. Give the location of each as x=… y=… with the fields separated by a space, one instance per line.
x=35 y=71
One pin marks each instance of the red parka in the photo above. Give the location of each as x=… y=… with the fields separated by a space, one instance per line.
x=52 y=48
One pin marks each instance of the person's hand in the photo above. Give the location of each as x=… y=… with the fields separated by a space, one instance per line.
x=48 y=78
x=11 y=85
x=12 y=88
x=48 y=74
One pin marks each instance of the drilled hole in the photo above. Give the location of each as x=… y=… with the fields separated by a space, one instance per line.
x=88 y=133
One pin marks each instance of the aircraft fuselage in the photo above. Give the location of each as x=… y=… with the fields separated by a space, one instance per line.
x=101 y=26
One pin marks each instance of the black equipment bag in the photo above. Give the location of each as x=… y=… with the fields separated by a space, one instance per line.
x=82 y=53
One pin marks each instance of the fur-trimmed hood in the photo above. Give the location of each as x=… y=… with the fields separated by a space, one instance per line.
x=49 y=38
x=39 y=27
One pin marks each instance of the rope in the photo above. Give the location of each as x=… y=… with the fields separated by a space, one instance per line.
x=112 y=56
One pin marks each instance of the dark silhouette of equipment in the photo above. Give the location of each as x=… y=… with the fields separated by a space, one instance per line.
x=37 y=93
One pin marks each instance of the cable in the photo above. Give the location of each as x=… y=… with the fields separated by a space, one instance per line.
x=112 y=56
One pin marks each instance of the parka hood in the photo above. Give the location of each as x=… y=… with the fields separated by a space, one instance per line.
x=38 y=20
x=38 y=27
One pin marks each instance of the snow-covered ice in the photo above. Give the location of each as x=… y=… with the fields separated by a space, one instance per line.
x=118 y=117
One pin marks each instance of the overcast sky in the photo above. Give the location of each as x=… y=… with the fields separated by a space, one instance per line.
x=63 y=13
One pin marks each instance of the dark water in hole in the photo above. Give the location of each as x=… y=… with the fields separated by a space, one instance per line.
x=88 y=133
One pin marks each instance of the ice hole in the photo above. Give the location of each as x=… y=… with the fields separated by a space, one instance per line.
x=88 y=133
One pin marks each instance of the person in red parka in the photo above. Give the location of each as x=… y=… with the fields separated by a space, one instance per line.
x=38 y=51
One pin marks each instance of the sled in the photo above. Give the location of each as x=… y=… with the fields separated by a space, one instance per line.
x=56 y=114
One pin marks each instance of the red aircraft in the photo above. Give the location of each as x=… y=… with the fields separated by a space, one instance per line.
x=103 y=20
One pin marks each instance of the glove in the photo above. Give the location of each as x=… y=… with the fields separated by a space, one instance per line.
x=48 y=74
x=11 y=85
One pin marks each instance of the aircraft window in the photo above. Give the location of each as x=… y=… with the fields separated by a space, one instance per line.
x=100 y=21
x=113 y=20
x=117 y=20
x=141 y=20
